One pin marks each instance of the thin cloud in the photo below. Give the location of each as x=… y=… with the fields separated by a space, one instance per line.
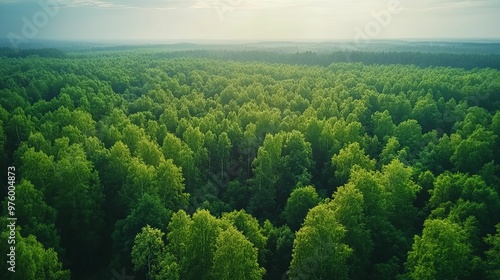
x=130 y=4
x=185 y=4
x=447 y=5
x=8 y=2
x=253 y=19
x=243 y=4
x=90 y=3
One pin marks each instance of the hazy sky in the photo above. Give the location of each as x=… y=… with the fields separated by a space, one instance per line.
x=190 y=20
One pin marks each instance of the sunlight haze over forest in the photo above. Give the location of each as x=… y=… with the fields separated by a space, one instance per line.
x=252 y=19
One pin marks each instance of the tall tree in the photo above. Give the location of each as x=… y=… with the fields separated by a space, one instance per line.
x=301 y=200
x=149 y=152
x=77 y=196
x=148 y=250
x=266 y=170
x=280 y=245
x=113 y=177
x=319 y=249
x=200 y=246
x=390 y=246
x=149 y=211
x=250 y=228
x=141 y=180
x=36 y=217
x=170 y=186
x=173 y=148
x=442 y=252
x=347 y=158
x=223 y=154
x=297 y=162
x=38 y=168
x=474 y=151
x=347 y=205
x=383 y=127
x=32 y=260
x=409 y=134
x=426 y=112
x=235 y=257
x=178 y=232
x=493 y=255
x=401 y=192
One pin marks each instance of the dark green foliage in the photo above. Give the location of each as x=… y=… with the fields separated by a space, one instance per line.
x=223 y=164
x=33 y=259
x=493 y=255
x=149 y=211
x=301 y=200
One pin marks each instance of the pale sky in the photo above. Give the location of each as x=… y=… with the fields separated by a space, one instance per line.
x=248 y=20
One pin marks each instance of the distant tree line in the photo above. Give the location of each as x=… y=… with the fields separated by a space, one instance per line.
x=465 y=61
x=44 y=52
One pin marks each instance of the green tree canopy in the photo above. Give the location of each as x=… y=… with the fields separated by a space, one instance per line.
x=442 y=252
x=319 y=249
x=301 y=200
x=235 y=257
x=148 y=250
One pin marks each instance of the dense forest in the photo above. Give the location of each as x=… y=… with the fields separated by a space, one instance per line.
x=208 y=164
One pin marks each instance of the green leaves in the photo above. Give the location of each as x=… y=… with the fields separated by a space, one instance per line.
x=249 y=226
x=319 y=251
x=401 y=193
x=171 y=185
x=133 y=144
x=298 y=204
x=209 y=248
x=235 y=257
x=77 y=195
x=409 y=134
x=148 y=250
x=347 y=206
x=493 y=255
x=38 y=168
x=442 y=252
x=36 y=217
x=349 y=157
x=141 y=180
x=266 y=166
x=33 y=260
x=200 y=246
x=474 y=151
x=426 y=112
x=283 y=162
x=382 y=124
